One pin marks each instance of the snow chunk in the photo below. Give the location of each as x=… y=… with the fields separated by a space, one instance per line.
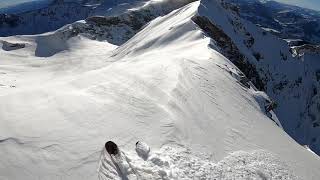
x=142 y=149
x=180 y=163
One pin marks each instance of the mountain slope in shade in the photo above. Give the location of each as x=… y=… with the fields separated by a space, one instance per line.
x=172 y=86
x=59 y=13
x=286 y=21
x=16 y=7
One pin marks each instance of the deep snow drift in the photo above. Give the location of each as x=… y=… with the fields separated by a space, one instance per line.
x=166 y=86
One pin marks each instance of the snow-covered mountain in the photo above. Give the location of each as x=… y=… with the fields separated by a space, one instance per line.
x=292 y=81
x=189 y=82
x=59 y=13
x=286 y=21
x=23 y=6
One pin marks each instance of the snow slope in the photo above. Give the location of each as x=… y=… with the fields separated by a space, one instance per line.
x=292 y=81
x=166 y=86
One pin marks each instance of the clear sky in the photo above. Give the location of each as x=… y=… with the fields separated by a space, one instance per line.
x=312 y=4
x=6 y=3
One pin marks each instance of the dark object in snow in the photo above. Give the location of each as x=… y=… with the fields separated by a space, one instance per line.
x=111 y=148
x=245 y=81
x=271 y=106
x=8 y=46
x=142 y=150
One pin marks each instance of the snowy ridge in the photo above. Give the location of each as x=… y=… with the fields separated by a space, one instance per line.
x=115 y=25
x=168 y=86
x=120 y=28
x=291 y=81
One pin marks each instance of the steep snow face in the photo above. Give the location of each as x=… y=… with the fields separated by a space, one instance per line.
x=166 y=86
x=267 y=61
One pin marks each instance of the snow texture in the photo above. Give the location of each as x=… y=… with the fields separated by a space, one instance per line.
x=181 y=163
x=290 y=81
x=62 y=99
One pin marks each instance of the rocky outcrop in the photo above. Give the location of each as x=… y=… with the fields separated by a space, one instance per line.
x=119 y=29
x=306 y=48
x=8 y=46
x=9 y=20
x=291 y=81
x=230 y=50
x=115 y=29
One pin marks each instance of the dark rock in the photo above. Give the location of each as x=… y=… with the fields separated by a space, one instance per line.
x=230 y=50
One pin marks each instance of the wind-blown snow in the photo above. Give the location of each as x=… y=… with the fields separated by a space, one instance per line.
x=165 y=86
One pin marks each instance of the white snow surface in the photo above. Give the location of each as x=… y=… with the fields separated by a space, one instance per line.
x=291 y=81
x=181 y=163
x=165 y=87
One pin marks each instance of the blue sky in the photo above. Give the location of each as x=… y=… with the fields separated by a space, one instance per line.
x=6 y=3
x=312 y=4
